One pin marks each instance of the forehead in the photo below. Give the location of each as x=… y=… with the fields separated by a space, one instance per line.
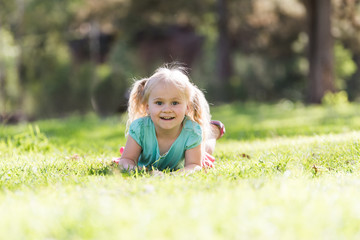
x=166 y=90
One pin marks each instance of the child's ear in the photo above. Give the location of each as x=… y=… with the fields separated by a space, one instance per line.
x=147 y=109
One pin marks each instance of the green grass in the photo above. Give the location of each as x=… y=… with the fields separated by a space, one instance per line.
x=283 y=171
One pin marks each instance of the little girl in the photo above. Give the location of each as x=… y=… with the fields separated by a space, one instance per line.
x=169 y=124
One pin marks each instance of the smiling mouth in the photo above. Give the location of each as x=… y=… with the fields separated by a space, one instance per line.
x=167 y=118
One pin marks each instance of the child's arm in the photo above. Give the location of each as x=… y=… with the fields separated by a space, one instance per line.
x=130 y=156
x=193 y=159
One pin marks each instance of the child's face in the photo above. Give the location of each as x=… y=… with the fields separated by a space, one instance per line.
x=167 y=107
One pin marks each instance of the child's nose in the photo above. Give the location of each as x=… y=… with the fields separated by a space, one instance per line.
x=167 y=108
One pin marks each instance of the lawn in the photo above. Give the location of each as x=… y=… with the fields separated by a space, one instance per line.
x=283 y=171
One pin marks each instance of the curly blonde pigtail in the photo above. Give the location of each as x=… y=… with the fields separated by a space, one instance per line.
x=136 y=105
x=200 y=111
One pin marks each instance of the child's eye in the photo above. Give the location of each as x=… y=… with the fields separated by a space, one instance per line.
x=175 y=103
x=158 y=103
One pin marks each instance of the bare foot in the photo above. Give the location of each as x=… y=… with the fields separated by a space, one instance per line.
x=215 y=131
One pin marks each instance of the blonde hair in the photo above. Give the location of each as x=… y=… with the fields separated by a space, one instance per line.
x=198 y=107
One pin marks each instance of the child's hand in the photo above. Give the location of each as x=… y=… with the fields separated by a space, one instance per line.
x=157 y=173
x=126 y=165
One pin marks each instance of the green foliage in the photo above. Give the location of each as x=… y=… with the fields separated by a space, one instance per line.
x=268 y=46
x=344 y=66
x=335 y=99
x=8 y=55
x=261 y=78
x=110 y=92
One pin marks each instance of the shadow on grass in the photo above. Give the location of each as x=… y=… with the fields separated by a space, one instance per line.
x=113 y=169
x=102 y=171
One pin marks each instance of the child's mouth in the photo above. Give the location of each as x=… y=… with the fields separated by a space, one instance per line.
x=167 y=118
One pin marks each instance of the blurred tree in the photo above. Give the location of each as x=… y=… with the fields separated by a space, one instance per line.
x=93 y=37
x=320 y=49
x=250 y=49
x=163 y=33
x=167 y=31
x=224 y=58
x=39 y=31
x=346 y=29
x=274 y=31
x=267 y=45
x=11 y=16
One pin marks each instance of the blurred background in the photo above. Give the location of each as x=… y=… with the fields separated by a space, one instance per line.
x=75 y=56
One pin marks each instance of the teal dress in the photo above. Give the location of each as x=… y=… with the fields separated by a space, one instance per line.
x=142 y=130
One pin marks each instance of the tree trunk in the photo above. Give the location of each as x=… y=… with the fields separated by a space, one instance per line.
x=18 y=38
x=94 y=42
x=3 y=93
x=353 y=84
x=224 y=64
x=321 y=56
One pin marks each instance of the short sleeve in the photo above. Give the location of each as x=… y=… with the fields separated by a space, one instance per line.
x=194 y=136
x=135 y=130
